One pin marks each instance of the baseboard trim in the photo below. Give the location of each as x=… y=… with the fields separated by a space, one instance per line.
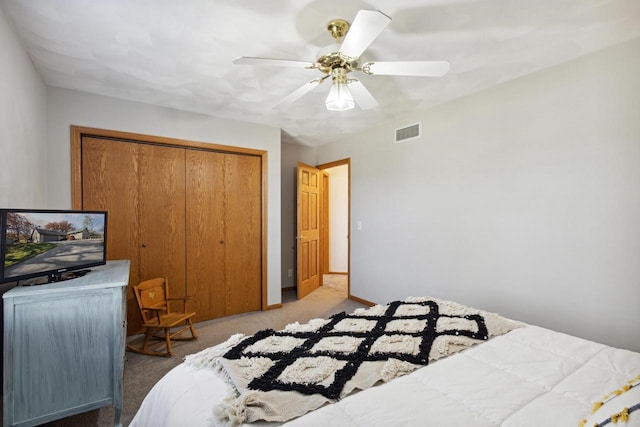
x=362 y=301
x=273 y=307
x=338 y=272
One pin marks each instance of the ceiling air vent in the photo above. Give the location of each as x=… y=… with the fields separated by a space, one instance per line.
x=408 y=133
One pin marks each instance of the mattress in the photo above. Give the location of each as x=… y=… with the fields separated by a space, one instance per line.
x=530 y=376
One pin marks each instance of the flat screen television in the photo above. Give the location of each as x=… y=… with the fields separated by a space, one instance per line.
x=58 y=244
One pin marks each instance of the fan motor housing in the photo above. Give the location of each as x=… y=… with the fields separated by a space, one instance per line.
x=329 y=57
x=333 y=60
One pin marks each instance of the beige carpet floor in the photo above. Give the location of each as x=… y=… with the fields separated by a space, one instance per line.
x=142 y=372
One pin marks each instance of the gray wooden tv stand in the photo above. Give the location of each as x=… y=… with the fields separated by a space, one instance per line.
x=64 y=346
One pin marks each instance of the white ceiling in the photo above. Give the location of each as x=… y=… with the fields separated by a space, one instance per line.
x=178 y=53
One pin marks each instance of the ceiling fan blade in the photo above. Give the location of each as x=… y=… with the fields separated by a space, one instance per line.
x=361 y=95
x=367 y=25
x=300 y=92
x=251 y=60
x=407 y=68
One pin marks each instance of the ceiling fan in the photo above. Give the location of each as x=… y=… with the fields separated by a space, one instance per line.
x=338 y=60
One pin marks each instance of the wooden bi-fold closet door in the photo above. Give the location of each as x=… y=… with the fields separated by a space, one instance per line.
x=223 y=232
x=191 y=214
x=143 y=189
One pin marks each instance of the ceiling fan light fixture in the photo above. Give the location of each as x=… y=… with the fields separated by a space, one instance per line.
x=340 y=98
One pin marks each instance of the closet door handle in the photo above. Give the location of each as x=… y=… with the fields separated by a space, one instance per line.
x=221 y=241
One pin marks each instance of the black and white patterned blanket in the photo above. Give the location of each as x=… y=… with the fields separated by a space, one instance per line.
x=279 y=375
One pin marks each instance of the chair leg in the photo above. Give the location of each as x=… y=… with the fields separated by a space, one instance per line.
x=167 y=335
x=193 y=331
x=147 y=335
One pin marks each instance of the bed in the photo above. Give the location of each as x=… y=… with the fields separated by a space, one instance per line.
x=476 y=368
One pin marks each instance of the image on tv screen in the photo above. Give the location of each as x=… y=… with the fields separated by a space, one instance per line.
x=49 y=241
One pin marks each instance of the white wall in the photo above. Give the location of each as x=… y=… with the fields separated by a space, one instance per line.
x=23 y=151
x=291 y=155
x=523 y=199
x=338 y=219
x=66 y=108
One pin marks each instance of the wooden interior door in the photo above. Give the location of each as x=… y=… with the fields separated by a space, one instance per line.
x=224 y=232
x=205 y=233
x=161 y=216
x=324 y=224
x=308 y=228
x=243 y=231
x=142 y=188
x=110 y=182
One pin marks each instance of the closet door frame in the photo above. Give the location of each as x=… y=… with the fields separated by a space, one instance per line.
x=78 y=132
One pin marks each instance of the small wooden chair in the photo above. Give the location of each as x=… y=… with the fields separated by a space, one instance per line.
x=153 y=301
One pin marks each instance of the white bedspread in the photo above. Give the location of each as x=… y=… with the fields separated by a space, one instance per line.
x=528 y=377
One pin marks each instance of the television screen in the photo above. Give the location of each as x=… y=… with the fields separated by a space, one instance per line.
x=50 y=242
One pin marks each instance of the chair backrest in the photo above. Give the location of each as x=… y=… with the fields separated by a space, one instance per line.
x=151 y=293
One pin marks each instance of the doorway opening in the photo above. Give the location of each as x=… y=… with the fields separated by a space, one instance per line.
x=322 y=238
x=334 y=220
